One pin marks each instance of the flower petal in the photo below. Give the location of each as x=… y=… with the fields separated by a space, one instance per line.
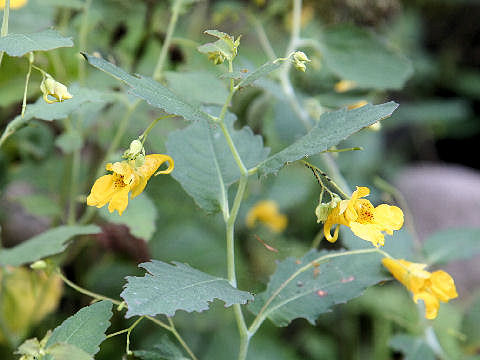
x=431 y=304
x=443 y=286
x=388 y=217
x=119 y=200
x=102 y=191
x=153 y=162
x=369 y=232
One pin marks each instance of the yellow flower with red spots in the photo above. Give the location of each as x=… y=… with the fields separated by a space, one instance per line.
x=365 y=221
x=429 y=287
x=267 y=212
x=126 y=177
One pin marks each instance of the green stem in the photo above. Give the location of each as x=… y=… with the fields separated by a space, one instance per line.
x=27 y=80
x=144 y=135
x=263 y=38
x=82 y=41
x=262 y=314
x=74 y=187
x=129 y=331
x=157 y=74
x=337 y=188
x=4 y=30
x=173 y=330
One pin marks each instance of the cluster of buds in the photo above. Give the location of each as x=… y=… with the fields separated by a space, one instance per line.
x=55 y=89
x=299 y=60
x=225 y=48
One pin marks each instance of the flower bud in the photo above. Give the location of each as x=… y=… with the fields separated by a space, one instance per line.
x=299 y=60
x=135 y=149
x=50 y=86
x=324 y=209
x=39 y=265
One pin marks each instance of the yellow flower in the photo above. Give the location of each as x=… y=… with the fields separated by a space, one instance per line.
x=50 y=86
x=266 y=211
x=366 y=221
x=14 y=4
x=344 y=86
x=126 y=177
x=429 y=287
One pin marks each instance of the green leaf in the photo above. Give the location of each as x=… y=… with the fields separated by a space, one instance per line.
x=311 y=285
x=50 y=242
x=332 y=128
x=452 y=244
x=20 y=44
x=358 y=55
x=165 y=350
x=200 y=87
x=204 y=165
x=263 y=70
x=168 y=288
x=151 y=91
x=140 y=217
x=69 y=141
x=64 y=351
x=413 y=348
x=86 y=329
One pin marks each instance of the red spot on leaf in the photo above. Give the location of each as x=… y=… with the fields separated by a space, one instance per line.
x=321 y=293
x=348 y=279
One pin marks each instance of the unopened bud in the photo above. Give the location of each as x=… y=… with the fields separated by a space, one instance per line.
x=39 y=265
x=377 y=126
x=299 y=60
x=324 y=209
x=135 y=149
x=55 y=89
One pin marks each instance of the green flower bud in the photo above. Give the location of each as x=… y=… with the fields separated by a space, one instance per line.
x=39 y=265
x=324 y=209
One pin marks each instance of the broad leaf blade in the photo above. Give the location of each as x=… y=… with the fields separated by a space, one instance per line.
x=167 y=288
x=50 y=242
x=86 y=329
x=204 y=164
x=310 y=286
x=263 y=70
x=151 y=91
x=359 y=55
x=452 y=244
x=20 y=44
x=332 y=128
x=64 y=351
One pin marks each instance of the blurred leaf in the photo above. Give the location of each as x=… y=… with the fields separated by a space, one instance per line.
x=165 y=350
x=471 y=324
x=332 y=128
x=358 y=55
x=431 y=112
x=399 y=245
x=64 y=351
x=26 y=298
x=140 y=217
x=447 y=328
x=204 y=164
x=412 y=347
x=69 y=141
x=49 y=243
x=20 y=44
x=452 y=244
x=168 y=288
x=86 y=329
x=70 y=4
x=310 y=286
x=151 y=91
x=40 y=205
x=200 y=87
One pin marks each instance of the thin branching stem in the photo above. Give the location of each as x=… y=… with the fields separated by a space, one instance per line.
x=157 y=74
